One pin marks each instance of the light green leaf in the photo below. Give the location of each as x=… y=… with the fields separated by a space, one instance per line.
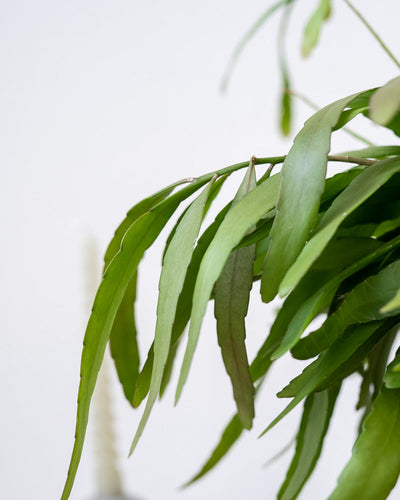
x=313 y=27
x=374 y=466
x=123 y=343
x=231 y=296
x=117 y=277
x=314 y=424
x=385 y=102
x=172 y=277
x=392 y=376
x=286 y=107
x=237 y=222
x=134 y=213
x=303 y=179
x=393 y=305
x=363 y=304
x=369 y=181
x=230 y=435
x=183 y=308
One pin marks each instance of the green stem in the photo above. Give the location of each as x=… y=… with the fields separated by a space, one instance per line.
x=374 y=33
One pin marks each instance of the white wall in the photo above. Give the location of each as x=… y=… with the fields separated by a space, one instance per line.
x=102 y=103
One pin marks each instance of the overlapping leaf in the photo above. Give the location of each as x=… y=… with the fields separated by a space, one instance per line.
x=314 y=424
x=237 y=222
x=303 y=178
x=172 y=277
x=231 y=297
x=369 y=181
x=374 y=466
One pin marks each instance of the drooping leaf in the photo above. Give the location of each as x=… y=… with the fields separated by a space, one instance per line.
x=337 y=256
x=385 y=102
x=313 y=27
x=363 y=304
x=183 y=308
x=374 y=466
x=303 y=179
x=322 y=297
x=286 y=107
x=123 y=342
x=314 y=425
x=360 y=189
x=231 y=297
x=172 y=277
x=337 y=362
x=229 y=437
x=117 y=276
x=134 y=213
x=237 y=222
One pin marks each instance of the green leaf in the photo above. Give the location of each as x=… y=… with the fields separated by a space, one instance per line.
x=183 y=308
x=286 y=108
x=231 y=296
x=385 y=102
x=237 y=222
x=392 y=376
x=361 y=305
x=313 y=27
x=117 y=277
x=123 y=343
x=134 y=213
x=172 y=277
x=230 y=435
x=374 y=466
x=393 y=305
x=337 y=256
x=360 y=189
x=341 y=359
x=314 y=425
x=303 y=179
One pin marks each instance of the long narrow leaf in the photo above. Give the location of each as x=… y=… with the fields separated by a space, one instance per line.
x=374 y=466
x=231 y=297
x=314 y=424
x=240 y=218
x=123 y=342
x=303 y=178
x=363 y=304
x=172 y=277
x=313 y=27
x=369 y=181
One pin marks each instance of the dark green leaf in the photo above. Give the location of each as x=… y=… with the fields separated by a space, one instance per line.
x=231 y=296
x=362 y=304
x=314 y=424
x=369 y=181
x=123 y=343
x=229 y=437
x=303 y=179
x=313 y=27
x=237 y=222
x=374 y=466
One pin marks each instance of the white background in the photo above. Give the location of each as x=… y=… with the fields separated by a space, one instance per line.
x=101 y=104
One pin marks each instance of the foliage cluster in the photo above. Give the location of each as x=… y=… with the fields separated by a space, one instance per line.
x=331 y=246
